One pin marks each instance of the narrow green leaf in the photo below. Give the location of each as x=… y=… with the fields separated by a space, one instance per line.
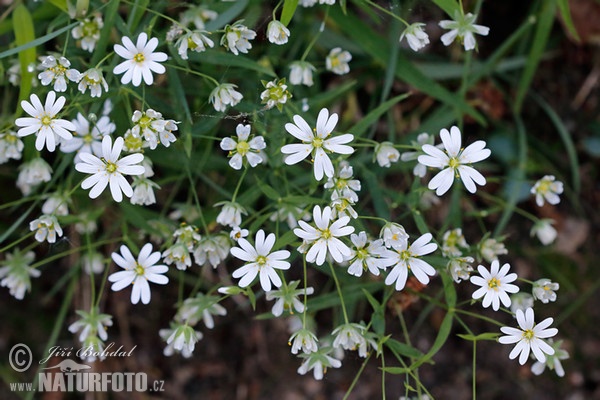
x=237 y=7
x=24 y=34
x=542 y=33
x=372 y=117
x=109 y=21
x=268 y=190
x=565 y=13
x=60 y=4
x=443 y=334
x=135 y=15
x=289 y=8
x=483 y=336
x=39 y=41
x=381 y=207
x=404 y=349
x=374 y=303
x=449 y=6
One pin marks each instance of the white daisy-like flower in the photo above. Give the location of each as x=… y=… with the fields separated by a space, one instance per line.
x=394 y=235
x=181 y=338
x=548 y=189
x=490 y=249
x=463 y=26
x=195 y=41
x=337 y=61
x=87 y=138
x=212 y=249
x=224 y=95
x=529 y=338
x=57 y=71
x=277 y=33
x=407 y=258
x=88 y=31
x=317 y=143
x=91 y=323
x=454 y=161
x=109 y=170
x=349 y=336
x=460 y=268
x=545 y=290
x=452 y=243
x=16 y=272
x=143 y=191
x=415 y=36
x=243 y=148
x=140 y=60
x=43 y=121
x=305 y=340
x=286 y=298
x=231 y=213
x=178 y=254
x=301 y=73
x=325 y=237
x=544 y=231
x=260 y=261
x=552 y=361
x=495 y=284
x=138 y=272
x=237 y=233
x=318 y=361
x=47 y=228
x=342 y=185
x=386 y=154
x=367 y=255
x=32 y=173
x=237 y=38
x=11 y=146
x=94 y=80
x=275 y=94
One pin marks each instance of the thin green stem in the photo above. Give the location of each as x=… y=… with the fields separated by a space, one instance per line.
x=16 y=242
x=388 y=12
x=189 y=71
x=239 y=184
x=358 y=374
x=339 y=290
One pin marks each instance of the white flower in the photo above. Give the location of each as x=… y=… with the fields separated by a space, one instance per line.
x=423 y=138
x=328 y=2
x=317 y=143
x=166 y=136
x=544 y=290
x=43 y=121
x=46 y=227
x=275 y=94
x=491 y=248
x=213 y=249
x=237 y=37
x=386 y=154
x=464 y=27
x=305 y=340
x=143 y=191
x=415 y=36
x=16 y=272
x=454 y=161
x=57 y=72
x=198 y=16
x=343 y=185
x=407 y=258
x=318 y=361
x=452 y=241
x=290 y=213
x=243 y=148
x=181 y=339
x=277 y=32
x=32 y=173
x=178 y=254
x=231 y=213
x=367 y=255
x=153 y=127
x=260 y=261
x=109 y=170
x=57 y=204
x=237 y=233
x=495 y=284
x=87 y=138
x=93 y=262
x=394 y=235
x=140 y=60
x=200 y=307
x=552 y=361
x=94 y=80
x=91 y=324
x=520 y=301
x=10 y=146
x=307 y=3
x=337 y=61
x=324 y=238
x=349 y=336
x=224 y=95
x=544 y=231
x=138 y=272
x=529 y=337
x=547 y=188
x=460 y=268
x=301 y=73
x=187 y=235
x=286 y=298
x=195 y=41
x=88 y=31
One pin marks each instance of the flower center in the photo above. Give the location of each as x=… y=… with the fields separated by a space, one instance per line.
x=88 y=138
x=528 y=334
x=494 y=283
x=317 y=142
x=242 y=148
x=261 y=260
x=361 y=254
x=139 y=270
x=453 y=163
x=335 y=62
x=326 y=234
x=145 y=121
x=110 y=167
x=133 y=142
x=46 y=120
x=58 y=69
x=89 y=28
x=139 y=57
x=405 y=255
x=544 y=187
x=191 y=44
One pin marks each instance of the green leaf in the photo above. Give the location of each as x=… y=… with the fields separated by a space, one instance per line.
x=381 y=207
x=449 y=6
x=81 y=8
x=60 y=4
x=136 y=13
x=565 y=12
x=483 y=336
x=542 y=33
x=227 y=16
x=109 y=21
x=34 y=43
x=403 y=349
x=289 y=8
x=24 y=35
x=268 y=190
x=372 y=117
